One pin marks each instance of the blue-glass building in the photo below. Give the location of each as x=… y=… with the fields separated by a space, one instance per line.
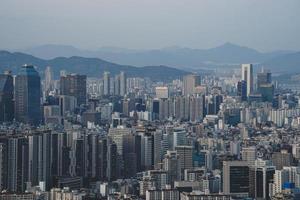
x=28 y=96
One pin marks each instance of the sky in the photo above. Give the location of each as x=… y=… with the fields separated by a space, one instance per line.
x=265 y=25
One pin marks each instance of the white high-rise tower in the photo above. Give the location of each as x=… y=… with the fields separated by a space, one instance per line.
x=247 y=75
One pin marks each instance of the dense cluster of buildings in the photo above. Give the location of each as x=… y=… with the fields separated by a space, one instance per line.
x=117 y=137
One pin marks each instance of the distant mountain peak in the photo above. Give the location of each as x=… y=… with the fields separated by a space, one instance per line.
x=229 y=45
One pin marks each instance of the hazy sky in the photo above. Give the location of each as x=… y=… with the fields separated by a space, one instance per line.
x=262 y=24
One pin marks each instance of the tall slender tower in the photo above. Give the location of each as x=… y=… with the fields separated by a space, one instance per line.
x=28 y=95
x=123 y=84
x=117 y=85
x=17 y=164
x=106 y=83
x=48 y=80
x=247 y=75
x=6 y=97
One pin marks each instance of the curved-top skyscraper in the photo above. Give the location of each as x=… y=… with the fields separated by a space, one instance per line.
x=28 y=96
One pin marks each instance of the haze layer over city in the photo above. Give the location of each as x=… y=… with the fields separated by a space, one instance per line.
x=149 y=100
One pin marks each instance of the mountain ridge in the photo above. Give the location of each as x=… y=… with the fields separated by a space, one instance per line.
x=92 y=67
x=175 y=56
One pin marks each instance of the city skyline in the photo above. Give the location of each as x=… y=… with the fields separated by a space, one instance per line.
x=215 y=118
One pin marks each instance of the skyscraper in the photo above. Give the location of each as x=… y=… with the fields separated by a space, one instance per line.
x=242 y=90
x=112 y=170
x=74 y=85
x=129 y=156
x=197 y=106
x=189 y=83
x=6 y=97
x=17 y=164
x=123 y=83
x=247 y=75
x=163 y=109
x=39 y=157
x=265 y=86
x=106 y=83
x=3 y=166
x=27 y=96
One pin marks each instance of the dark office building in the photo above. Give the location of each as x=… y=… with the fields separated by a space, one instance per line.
x=236 y=178
x=155 y=109
x=128 y=106
x=129 y=156
x=6 y=97
x=264 y=85
x=260 y=179
x=93 y=157
x=112 y=172
x=17 y=164
x=102 y=149
x=28 y=96
x=242 y=90
x=267 y=92
x=3 y=166
x=94 y=117
x=218 y=99
x=74 y=85
x=213 y=106
x=60 y=161
x=78 y=155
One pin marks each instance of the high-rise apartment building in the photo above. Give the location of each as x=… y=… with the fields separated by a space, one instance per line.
x=123 y=83
x=190 y=82
x=171 y=164
x=197 y=107
x=282 y=159
x=39 y=157
x=106 y=83
x=48 y=80
x=117 y=84
x=17 y=164
x=28 y=96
